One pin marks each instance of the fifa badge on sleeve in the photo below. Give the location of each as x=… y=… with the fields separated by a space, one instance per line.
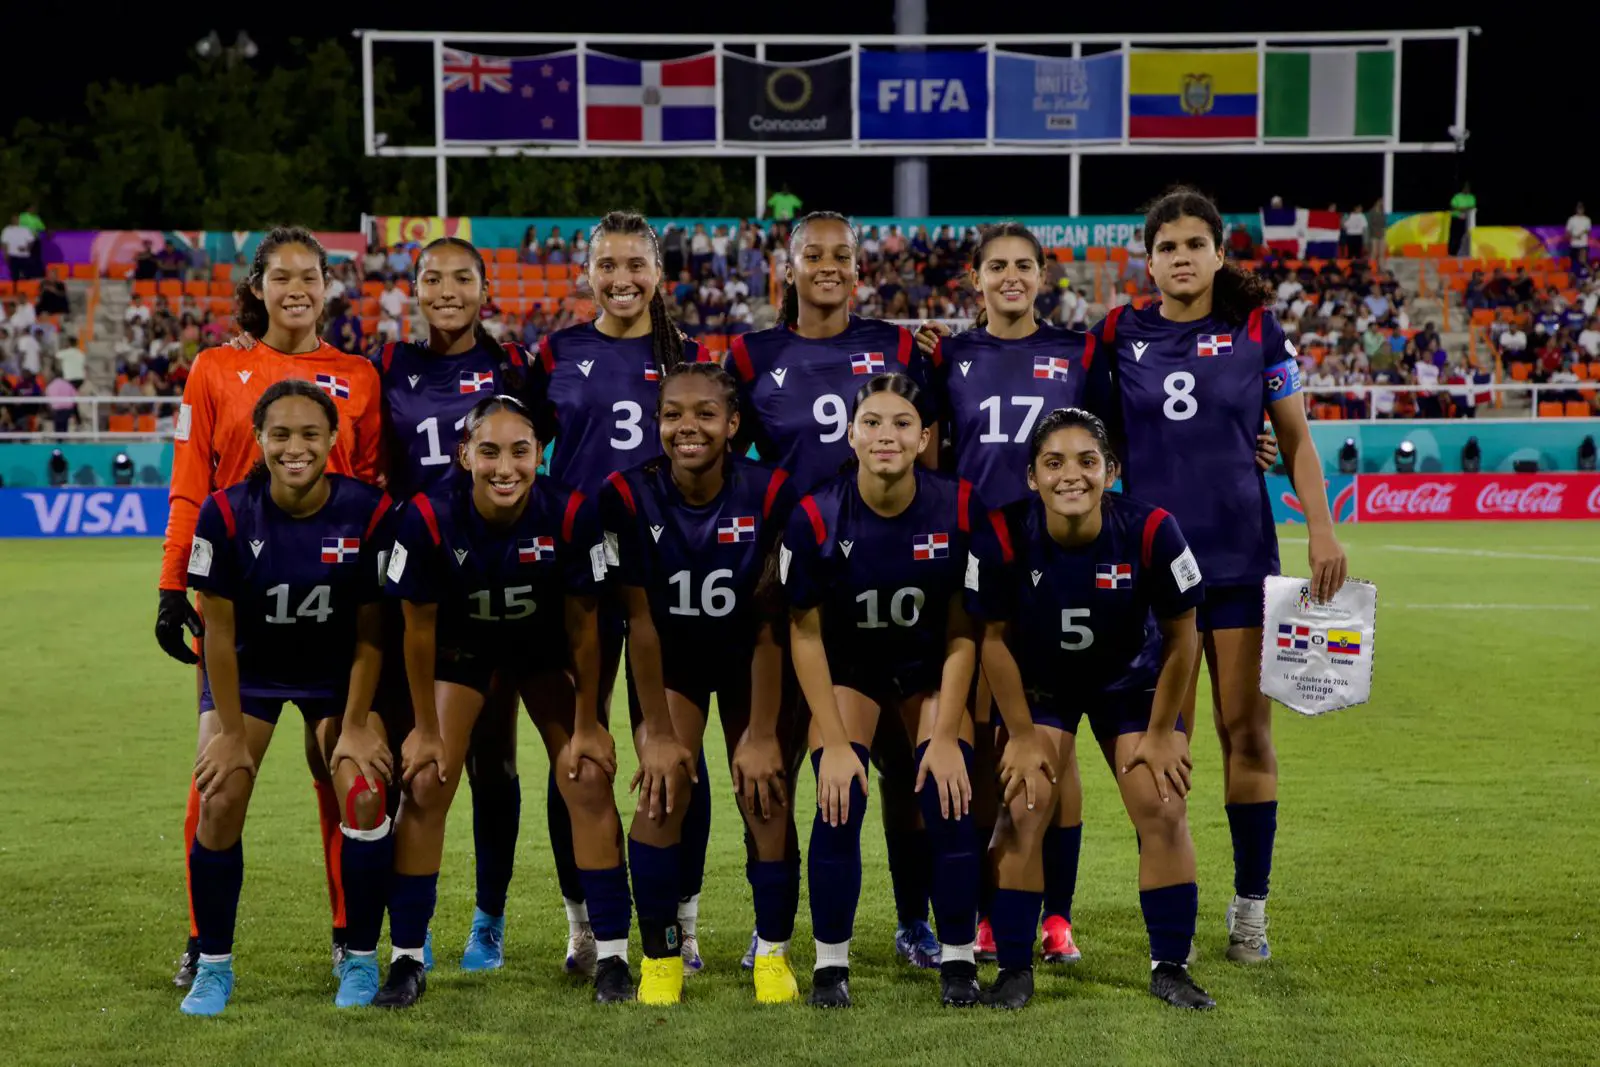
x=1316 y=657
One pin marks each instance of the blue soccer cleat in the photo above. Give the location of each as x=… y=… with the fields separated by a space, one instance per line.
x=485 y=949
x=358 y=981
x=427 y=951
x=210 y=990
x=749 y=961
x=916 y=944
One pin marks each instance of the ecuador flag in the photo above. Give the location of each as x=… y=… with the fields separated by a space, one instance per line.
x=1193 y=95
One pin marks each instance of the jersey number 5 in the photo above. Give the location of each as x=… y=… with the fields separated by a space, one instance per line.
x=1075 y=638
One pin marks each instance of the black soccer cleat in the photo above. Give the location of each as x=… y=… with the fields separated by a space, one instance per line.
x=830 y=988
x=187 y=964
x=1171 y=982
x=1011 y=990
x=958 y=983
x=613 y=982
x=407 y=981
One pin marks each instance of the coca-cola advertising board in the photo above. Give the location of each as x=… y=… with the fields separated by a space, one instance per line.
x=1467 y=497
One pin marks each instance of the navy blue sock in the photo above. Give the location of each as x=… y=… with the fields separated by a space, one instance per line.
x=656 y=877
x=986 y=886
x=559 y=822
x=1253 y=826
x=954 y=851
x=910 y=870
x=834 y=865
x=496 y=820
x=1061 y=847
x=607 y=893
x=696 y=834
x=412 y=898
x=215 y=879
x=775 y=888
x=1014 y=914
x=1169 y=916
x=366 y=867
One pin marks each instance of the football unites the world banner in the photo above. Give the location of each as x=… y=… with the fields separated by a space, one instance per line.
x=937 y=96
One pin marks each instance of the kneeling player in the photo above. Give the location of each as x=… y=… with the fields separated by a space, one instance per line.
x=286 y=566
x=694 y=531
x=497 y=571
x=1088 y=602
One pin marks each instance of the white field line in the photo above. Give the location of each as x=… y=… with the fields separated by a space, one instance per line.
x=1498 y=607
x=1489 y=553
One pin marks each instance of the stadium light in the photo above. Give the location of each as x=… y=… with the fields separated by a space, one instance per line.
x=1586 y=454
x=1471 y=456
x=1405 y=458
x=56 y=469
x=1349 y=457
x=122 y=470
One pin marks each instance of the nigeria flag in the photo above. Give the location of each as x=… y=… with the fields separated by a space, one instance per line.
x=1331 y=93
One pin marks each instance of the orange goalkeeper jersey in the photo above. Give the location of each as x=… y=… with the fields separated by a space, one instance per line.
x=215 y=444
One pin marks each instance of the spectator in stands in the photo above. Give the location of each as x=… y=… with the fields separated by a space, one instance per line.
x=1240 y=244
x=699 y=252
x=30 y=354
x=1589 y=338
x=783 y=204
x=171 y=262
x=63 y=399
x=579 y=251
x=1578 y=227
x=1377 y=231
x=393 y=304
x=374 y=262
x=145 y=266
x=1379 y=307
x=398 y=263
x=719 y=252
x=53 y=298
x=1353 y=236
x=71 y=361
x=555 y=247
x=19 y=242
x=532 y=249
x=20 y=315
x=1473 y=296
x=344 y=326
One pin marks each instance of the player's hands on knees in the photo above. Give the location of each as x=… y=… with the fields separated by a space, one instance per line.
x=1266 y=451
x=660 y=759
x=173 y=616
x=839 y=766
x=1025 y=771
x=223 y=754
x=1329 y=567
x=420 y=749
x=928 y=335
x=758 y=775
x=370 y=753
x=944 y=764
x=1168 y=761
x=590 y=742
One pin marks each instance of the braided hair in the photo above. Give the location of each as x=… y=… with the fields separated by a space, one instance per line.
x=790 y=315
x=1235 y=292
x=666 y=343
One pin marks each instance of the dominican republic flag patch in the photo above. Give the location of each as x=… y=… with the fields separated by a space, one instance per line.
x=736 y=530
x=338 y=388
x=477 y=381
x=536 y=549
x=866 y=363
x=340 y=549
x=1215 y=344
x=1051 y=367
x=1113 y=575
x=931 y=546
x=650 y=373
x=1296 y=637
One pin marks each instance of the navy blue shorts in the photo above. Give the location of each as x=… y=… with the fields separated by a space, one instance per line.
x=1110 y=714
x=890 y=686
x=1231 y=607
x=475 y=667
x=268 y=709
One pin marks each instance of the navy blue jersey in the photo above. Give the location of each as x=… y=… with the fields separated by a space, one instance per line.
x=426 y=398
x=602 y=391
x=498 y=589
x=1185 y=402
x=884 y=585
x=296 y=584
x=698 y=564
x=795 y=394
x=991 y=394
x=1083 y=619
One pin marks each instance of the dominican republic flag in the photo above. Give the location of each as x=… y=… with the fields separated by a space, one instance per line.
x=1214 y=344
x=338 y=388
x=477 y=381
x=736 y=530
x=536 y=549
x=340 y=549
x=1296 y=637
x=866 y=363
x=1299 y=233
x=1113 y=575
x=931 y=546
x=650 y=101
x=1051 y=367
x=650 y=373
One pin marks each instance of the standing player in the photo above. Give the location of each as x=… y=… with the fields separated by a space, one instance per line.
x=695 y=531
x=1088 y=602
x=286 y=567
x=795 y=381
x=600 y=380
x=1184 y=384
x=428 y=389
x=280 y=301
x=499 y=571
x=873 y=563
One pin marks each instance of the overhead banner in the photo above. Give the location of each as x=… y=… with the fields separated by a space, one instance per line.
x=764 y=102
x=1042 y=98
x=1183 y=96
x=650 y=101
x=924 y=96
x=496 y=100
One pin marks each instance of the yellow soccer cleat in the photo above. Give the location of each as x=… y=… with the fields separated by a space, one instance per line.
x=775 y=982
x=661 y=981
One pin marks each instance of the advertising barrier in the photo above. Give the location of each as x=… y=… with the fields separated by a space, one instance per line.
x=79 y=512
x=1430 y=497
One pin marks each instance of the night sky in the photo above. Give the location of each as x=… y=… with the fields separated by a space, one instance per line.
x=1524 y=159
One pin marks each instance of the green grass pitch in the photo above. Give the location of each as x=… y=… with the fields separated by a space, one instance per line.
x=1435 y=899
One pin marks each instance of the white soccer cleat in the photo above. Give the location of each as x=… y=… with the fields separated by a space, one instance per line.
x=1247 y=931
x=582 y=954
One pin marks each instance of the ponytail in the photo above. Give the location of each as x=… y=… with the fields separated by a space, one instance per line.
x=666 y=343
x=790 y=314
x=1236 y=293
x=981 y=319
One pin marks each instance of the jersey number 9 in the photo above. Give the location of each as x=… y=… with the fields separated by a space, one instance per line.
x=829 y=411
x=517 y=604
x=905 y=608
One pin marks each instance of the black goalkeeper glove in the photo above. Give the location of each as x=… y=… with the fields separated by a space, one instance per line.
x=172 y=616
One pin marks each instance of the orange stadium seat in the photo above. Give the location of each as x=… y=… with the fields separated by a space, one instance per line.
x=403 y=285
x=1560 y=281
x=58 y=271
x=369 y=325
x=221 y=305
x=222 y=289
x=533 y=270
x=170 y=288
x=1411 y=251
x=1064 y=255
x=1482 y=316
x=222 y=272
x=83 y=272
x=120 y=271
x=1435 y=251
x=1552 y=409
x=1577 y=409
x=145 y=287
x=29 y=288
x=506 y=272
x=536 y=289
x=1096 y=255
x=1520 y=371
x=505 y=255
x=372 y=289
x=197 y=289
x=120 y=424
x=144 y=423
x=559 y=290
x=7 y=287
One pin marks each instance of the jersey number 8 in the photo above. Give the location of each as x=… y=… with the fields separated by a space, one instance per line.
x=1180 y=405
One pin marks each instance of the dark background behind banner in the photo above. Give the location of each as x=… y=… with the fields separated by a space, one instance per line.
x=772 y=101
